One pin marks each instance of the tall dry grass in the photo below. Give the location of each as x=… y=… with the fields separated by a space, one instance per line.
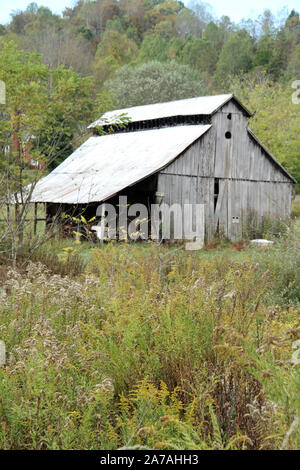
x=148 y=348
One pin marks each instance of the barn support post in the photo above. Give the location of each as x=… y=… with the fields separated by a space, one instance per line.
x=45 y=215
x=35 y=218
x=8 y=213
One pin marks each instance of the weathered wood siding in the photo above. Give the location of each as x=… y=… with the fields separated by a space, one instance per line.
x=250 y=185
x=240 y=157
x=244 y=204
x=190 y=179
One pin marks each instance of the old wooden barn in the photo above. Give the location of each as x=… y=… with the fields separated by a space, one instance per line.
x=197 y=150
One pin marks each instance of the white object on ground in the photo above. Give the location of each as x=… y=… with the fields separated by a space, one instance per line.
x=2 y=353
x=261 y=242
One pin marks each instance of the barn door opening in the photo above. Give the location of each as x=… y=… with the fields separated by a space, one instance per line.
x=216 y=196
x=132 y=221
x=220 y=207
x=216 y=192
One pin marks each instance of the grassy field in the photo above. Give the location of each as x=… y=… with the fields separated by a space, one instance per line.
x=146 y=346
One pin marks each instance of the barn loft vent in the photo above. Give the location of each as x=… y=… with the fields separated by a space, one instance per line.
x=229 y=116
x=228 y=135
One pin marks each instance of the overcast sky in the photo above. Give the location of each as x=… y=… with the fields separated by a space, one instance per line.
x=236 y=9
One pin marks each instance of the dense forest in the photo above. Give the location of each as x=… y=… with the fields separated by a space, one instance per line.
x=107 y=53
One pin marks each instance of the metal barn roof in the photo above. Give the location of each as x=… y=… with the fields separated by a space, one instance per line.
x=104 y=165
x=202 y=105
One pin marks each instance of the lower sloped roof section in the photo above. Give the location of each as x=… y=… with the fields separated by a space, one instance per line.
x=104 y=165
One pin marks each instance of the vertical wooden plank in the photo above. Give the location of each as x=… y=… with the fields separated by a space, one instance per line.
x=35 y=218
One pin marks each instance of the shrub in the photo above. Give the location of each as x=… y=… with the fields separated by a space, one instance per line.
x=283 y=262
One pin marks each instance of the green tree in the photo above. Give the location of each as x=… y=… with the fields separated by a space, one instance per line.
x=236 y=56
x=43 y=110
x=22 y=117
x=226 y=28
x=213 y=34
x=292 y=28
x=279 y=60
x=153 y=48
x=115 y=50
x=154 y=82
x=294 y=64
x=70 y=108
x=165 y=29
x=199 y=53
x=163 y=11
x=264 y=51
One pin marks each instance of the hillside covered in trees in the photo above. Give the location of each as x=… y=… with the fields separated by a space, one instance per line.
x=131 y=52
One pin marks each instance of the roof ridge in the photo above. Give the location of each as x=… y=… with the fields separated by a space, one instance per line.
x=171 y=101
x=198 y=105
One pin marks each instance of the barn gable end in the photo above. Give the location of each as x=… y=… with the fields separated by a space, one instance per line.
x=232 y=173
x=251 y=185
